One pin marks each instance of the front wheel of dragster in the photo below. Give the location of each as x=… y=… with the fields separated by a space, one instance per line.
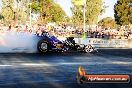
x=65 y=48
x=42 y=46
x=89 y=49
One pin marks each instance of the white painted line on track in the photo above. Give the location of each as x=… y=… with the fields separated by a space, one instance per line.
x=5 y=65
x=63 y=63
x=122 y=62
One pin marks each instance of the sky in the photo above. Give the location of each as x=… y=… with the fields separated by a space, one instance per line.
x=0 y=3
x=66 y=4
x=109 y=12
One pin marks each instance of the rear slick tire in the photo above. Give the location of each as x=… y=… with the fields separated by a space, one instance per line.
x=42 y=46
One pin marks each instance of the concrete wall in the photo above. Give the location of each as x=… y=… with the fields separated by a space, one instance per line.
x=105 y=43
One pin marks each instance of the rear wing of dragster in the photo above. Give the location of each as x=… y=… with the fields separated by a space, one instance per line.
x=83 y=78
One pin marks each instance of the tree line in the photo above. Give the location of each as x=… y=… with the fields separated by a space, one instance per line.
x=17 y=11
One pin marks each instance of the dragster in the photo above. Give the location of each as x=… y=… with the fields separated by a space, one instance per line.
x=49 y=43
x=13 y=42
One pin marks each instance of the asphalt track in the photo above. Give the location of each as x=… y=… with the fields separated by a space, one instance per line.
x=58 y=70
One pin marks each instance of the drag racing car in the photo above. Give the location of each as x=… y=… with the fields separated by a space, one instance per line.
x=72 y=45
x=49 y=43
x=15 y=42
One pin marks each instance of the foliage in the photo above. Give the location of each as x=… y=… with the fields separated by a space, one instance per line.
x=93 y=10
x=49 y=11
x=35 y=6
x=78 y=2
x=7 y=11
x=107 y=22
x=1 y=17
x=21 y=11
x=7 y=3
x=11 y=13
x=123 y=12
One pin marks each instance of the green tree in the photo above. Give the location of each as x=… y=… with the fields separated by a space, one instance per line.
x=14 y=10
x=35 y=6
x=7 y=3
x=107 y=22
x=7 y=11
x=21 y=11
x=1 y=17
x=93 y=10
x=123 y=12
x=49 y=11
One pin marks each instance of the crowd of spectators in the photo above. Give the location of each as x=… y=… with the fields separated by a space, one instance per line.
x=97 y=32
x=64 y=30
x=110 y=34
